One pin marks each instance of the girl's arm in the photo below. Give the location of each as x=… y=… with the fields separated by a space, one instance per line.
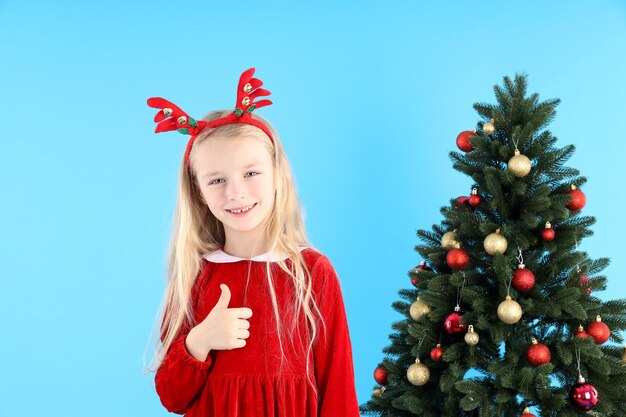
x=334 y=369
x=180 y=377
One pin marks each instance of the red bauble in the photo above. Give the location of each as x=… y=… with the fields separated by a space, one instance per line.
x=436 y=354
x=538 y=354
x=457 y=259
x=584 y=283
x=583 y=396
x=523 y=279
x=527 y=413
x=381 y=375
x=599 y=331
x=581 y=333
x=578 y=199
x=453 y=324
x=547 y=234
x=421 y=267
x=462 y=141
x=474 y=199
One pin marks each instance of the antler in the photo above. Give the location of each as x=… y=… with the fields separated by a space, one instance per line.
x=171 y=117
x=247 y=91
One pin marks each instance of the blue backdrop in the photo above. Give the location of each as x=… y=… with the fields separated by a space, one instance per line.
x=368 y=101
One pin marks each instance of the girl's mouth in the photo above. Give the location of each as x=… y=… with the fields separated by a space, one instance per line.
x=242 y=212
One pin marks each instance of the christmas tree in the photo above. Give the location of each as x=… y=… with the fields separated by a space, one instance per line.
x=503 y=317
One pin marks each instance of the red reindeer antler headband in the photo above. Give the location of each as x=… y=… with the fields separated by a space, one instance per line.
x=171 y=117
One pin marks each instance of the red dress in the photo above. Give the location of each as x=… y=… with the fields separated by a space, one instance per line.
x=245 y=382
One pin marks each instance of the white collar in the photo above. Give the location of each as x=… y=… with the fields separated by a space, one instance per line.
x=219 y=256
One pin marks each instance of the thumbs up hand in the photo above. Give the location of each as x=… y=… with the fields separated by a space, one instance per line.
x=223 y=329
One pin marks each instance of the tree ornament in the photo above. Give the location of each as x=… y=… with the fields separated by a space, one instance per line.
x=523 y=279
x=457 y=258
x=547 y=234
x=463 y=140
x=584 y=283
x=421 y=267
x=418 y=373
x=583 y=396
x=463 y=201
x=381 y=375
x=436 y=353
x=419 y=309
x=489 y=127
x=581 y=333
x=578 y=199
x=527 y=413
x=453 y=324
x=448 y=241
x=495 y=243
x=378 y=392
x=519 y=164
x=538 y=353
x=599 y=331
x=474 y=199
x=624 y=355
x=471 y=337
x=509 y=311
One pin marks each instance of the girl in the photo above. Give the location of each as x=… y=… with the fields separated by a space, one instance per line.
x=253 y=321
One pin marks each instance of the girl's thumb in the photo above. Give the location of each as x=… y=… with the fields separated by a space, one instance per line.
x=224 y=298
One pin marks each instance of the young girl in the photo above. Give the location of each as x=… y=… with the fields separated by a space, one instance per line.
x=253 y=321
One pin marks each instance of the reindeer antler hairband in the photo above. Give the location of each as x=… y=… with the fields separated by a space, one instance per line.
x=171 y=117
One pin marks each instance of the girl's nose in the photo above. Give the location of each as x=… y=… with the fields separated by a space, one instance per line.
x=235 y=190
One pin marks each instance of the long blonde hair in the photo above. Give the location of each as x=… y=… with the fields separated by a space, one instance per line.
x=197 y=232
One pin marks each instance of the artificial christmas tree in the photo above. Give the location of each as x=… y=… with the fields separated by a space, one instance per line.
x=530 y=216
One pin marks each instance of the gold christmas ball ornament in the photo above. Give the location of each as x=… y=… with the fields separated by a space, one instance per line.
x=418 y=373
x=448 y=241
x=419 y=309
x=167 y=111
x=378 y=392
x=182 y=120
x=519 y=164
x=247 y=88
x=495 y=243
x=509 y=311
x=245 y=101
x=489 y=127
x=471 y=337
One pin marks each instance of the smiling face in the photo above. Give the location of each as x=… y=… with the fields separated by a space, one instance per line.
x=236 y=180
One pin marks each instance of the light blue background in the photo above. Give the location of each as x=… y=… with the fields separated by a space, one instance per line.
x=368 y=100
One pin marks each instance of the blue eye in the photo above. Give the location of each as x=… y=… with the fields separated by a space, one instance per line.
x=214 y=181
x=252 y=172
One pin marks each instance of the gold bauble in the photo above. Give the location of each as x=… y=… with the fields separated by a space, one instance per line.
x=495 y=243
x=419 y=309
x=247 y=88
x=519 y=165
x=245 y=101
x=418 y=373
x=471 y=337
x=167 y=111
x=182 y=120
x=489 y=127
x=378 y=391
x=448 y=241
x=509 y=311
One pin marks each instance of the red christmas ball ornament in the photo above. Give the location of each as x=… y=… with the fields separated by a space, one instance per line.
x=599 y=331
x=462 y=140
x=474 y=199
x=421 y=267
x=578 y=199
x=523 y=279
x=538 y=353
x=457 y=258
x=583 y=396
x=453 y=324
x=381 y=375
x=547 y=234
x=436 y=353
x=527 y=413
x=581 y=333
x=584 y=283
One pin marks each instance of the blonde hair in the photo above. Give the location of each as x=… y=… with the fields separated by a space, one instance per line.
x=196 y=232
